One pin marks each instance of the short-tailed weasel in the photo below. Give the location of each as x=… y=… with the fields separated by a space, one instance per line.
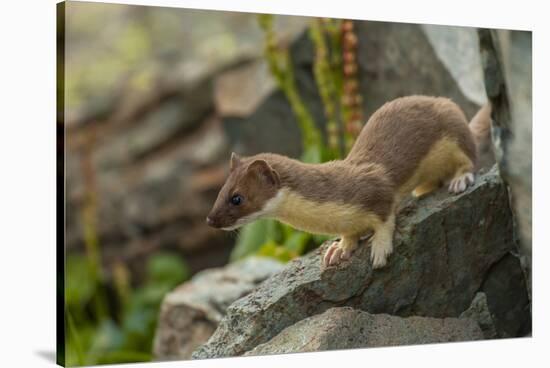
x=412 y=145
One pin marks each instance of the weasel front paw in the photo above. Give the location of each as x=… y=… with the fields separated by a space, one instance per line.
x=382 y=243
x=338 y=251
x=460 y=183
x=380 y=250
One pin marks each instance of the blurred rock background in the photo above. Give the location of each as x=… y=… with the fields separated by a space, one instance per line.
x=147 y=90
x=155 y=99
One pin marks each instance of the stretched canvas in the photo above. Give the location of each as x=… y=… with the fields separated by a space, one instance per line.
x=157 y=108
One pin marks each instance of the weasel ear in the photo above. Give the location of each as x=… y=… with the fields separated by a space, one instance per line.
x=262 y=169
x=235 y=161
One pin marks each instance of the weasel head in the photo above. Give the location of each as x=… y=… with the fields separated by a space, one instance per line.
x=251 y=191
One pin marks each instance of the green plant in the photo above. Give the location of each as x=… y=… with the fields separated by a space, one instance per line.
x=280 y=65
x=105 y=325
x=325 y=83
x=351 y=98
x=335 y=71
x=125 y=334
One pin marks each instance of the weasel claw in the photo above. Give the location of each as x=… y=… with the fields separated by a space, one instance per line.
x=336 y=253
x=460 y=183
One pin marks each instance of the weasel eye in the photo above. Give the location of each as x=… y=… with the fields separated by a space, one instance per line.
x=236 y=200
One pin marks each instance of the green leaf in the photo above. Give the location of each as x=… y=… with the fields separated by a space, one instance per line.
x=274 y=231
x=79 y=282
x=297 y=242
x=131 y=341
x=139 y=327
x=107 y=337
x=312 y=154
x=329 y=155
x=273 y=250
x=167 y=268
x=287 y=231
x=150 y=294
x=251 y=237
x=320 y=239
x=78 y=340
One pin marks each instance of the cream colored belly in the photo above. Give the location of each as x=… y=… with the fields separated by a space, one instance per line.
x=328 y=218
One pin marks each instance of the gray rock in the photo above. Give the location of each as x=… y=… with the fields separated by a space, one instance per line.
x=394 y=59
x=506 y=57
x=348 y=328
x=177 y=116
x=458 y=50
x=479 y=312
x=239 y=91
x=142 y=92
x=398 y=59
x=191 y=313
x=159 y=201
x=272 y=127
x=153 y=45
x=447 y=248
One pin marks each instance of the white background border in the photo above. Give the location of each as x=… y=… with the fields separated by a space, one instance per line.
x=27 y=191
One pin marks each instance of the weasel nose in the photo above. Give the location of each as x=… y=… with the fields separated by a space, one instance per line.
x=209 y=221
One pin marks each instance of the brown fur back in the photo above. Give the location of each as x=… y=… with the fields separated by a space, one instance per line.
x=365 y=185
x=402 y=132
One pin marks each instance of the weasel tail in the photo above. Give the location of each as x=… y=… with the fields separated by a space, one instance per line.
x=480 y=126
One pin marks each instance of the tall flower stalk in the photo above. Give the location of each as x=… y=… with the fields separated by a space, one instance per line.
x=280 y=64
x=351 y=97
x=89 y=224
x=326 y=83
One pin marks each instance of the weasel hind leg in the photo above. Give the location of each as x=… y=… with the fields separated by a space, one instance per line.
x=425 y=188
x=462 y=179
